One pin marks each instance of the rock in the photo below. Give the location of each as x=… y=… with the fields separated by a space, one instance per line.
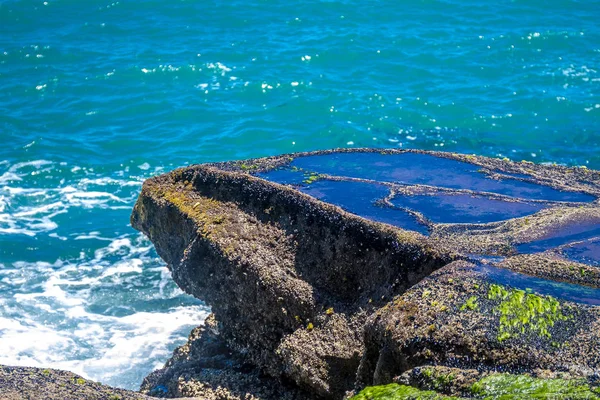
x=207 y=369
x=554 y=268
x=21 y=383
x=271 y=262
x=458 y=317
x=445 y=380
x=330 y=270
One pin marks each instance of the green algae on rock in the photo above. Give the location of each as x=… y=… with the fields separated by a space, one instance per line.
x=490 y=387
x=394 y=391
x=412 y=330
x=521 y=312
x=496 y=386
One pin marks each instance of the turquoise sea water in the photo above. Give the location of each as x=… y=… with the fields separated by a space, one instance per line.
x=96 y=96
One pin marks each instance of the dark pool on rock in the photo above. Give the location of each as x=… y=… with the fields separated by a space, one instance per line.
x=418 y=191
x=356 y=181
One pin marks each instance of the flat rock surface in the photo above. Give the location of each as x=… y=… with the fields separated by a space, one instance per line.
x=475 y=206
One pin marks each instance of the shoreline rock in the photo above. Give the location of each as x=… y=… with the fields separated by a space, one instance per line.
x=272 y=262
x=331 y=271
x=295 y=282
x=24 y=383
x=457 y=318
x=206 y=368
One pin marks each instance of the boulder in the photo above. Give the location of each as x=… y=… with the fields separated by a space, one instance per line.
x=338 y=269
x=24 y=383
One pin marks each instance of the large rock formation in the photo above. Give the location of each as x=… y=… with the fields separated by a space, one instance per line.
x=334 y=270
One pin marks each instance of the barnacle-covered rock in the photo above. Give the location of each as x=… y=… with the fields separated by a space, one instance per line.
x=321 y=265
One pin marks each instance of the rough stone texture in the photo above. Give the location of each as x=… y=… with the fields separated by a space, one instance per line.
x=446 y=380
x=578 y=179
x=495 y=238
x=207 y=369
x=23 y=383
x=309 y=295
x=433 y=324
x=271 y=262
x=499 y=238
x=554 y=268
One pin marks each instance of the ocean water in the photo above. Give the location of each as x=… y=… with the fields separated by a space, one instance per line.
x=97 y=95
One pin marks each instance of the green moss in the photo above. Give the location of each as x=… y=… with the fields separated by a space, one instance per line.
x=438 y=380
x=470 y=304
x=46 y=372
x=506 y=386
x=79 y=381
x=246 y=167
x=311 y=178
x=398 y=392
x=492 y=387
x=444 y=380
x=206 y=212
x=521 y=312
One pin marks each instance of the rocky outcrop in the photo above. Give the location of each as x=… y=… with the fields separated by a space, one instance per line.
x=290 y=279
x=456 y=317
x=207 y=369
x=24 y=383
x=330 y=271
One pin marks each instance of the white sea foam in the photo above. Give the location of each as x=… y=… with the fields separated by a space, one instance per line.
x=91 y=235
x=33 y=210
x=34 y=343
x=8 y=176
x=37 y=164
x=40 y=210
x=106 y=307
x=89 y=313
x=54 y=322
x=105 y=181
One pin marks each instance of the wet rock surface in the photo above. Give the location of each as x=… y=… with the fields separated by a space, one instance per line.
x=334 y=270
